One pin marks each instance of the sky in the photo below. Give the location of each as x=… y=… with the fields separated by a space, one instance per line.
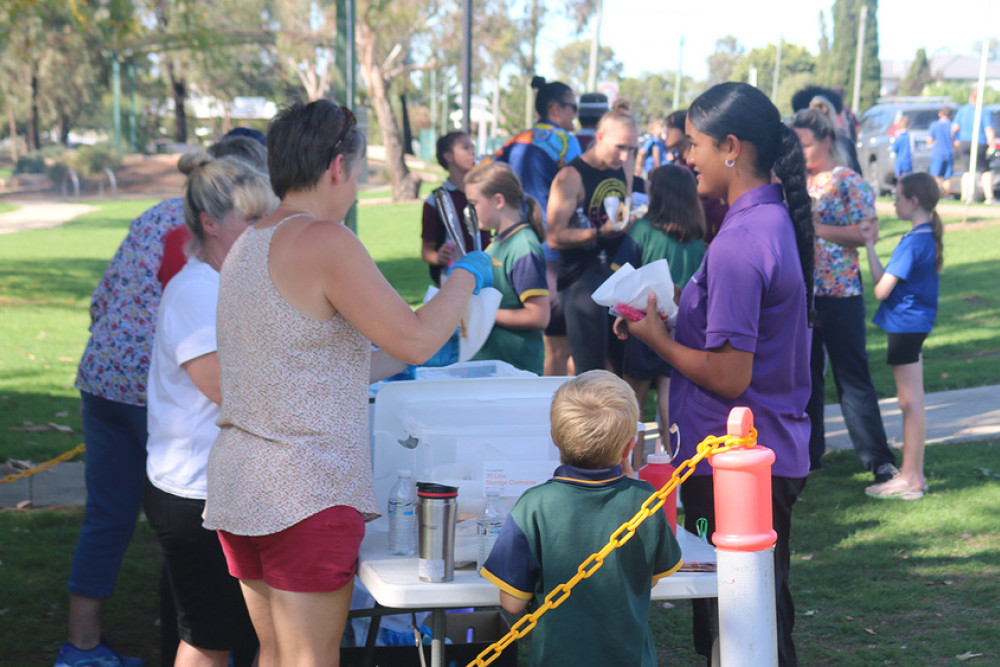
x=645 y=34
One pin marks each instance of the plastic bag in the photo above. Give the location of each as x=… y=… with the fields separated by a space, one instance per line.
x=631 y=287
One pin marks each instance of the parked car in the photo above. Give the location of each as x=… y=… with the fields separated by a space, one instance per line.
x=992 y=159
x=880 y=127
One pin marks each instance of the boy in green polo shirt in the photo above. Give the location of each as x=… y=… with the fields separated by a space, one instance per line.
x=557 y=525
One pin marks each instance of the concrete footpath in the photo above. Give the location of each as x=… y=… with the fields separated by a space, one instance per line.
x=34 y=215
x=952 y=416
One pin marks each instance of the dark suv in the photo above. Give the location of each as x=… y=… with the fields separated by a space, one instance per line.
x=879 y=128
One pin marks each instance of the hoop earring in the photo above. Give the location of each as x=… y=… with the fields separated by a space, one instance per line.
x=730 y=163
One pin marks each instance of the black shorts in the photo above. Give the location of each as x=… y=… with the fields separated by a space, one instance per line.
x=211 y=612
x=963 y=156
x=557 y=319
x=641 y=362
x=904 y=348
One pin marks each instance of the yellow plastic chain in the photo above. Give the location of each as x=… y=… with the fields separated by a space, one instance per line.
x=65 y=456
x=708 y=447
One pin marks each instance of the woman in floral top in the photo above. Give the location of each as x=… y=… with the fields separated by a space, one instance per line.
x=112 y=382
x=843 y=208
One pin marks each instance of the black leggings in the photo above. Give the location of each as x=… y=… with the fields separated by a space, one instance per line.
x=698 y=498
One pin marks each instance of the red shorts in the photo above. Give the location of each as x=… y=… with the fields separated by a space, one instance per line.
x=316 y=555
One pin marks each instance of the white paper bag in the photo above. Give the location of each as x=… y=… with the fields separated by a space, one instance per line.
x=632 y=286
x=477 y=322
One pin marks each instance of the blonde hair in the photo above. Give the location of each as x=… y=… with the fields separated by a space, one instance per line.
x=822 y=127
x=619 y=114
x=495 y=178
x=218 y=186
x=594 y=418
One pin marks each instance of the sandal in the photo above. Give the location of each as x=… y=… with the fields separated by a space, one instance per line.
x=897 y=488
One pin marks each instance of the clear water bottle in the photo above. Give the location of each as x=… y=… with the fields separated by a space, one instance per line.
x=488 y=525
x=579 y=219
x=403 y=515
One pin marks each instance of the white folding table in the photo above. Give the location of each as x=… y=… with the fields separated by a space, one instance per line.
x=393 y=582
x=452 y=429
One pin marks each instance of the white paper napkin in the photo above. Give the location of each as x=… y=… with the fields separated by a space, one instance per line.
x=632 y=286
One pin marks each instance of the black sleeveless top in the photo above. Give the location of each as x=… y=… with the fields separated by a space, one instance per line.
x=597 y=185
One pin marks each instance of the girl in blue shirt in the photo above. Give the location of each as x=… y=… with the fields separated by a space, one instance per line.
x=908 y=290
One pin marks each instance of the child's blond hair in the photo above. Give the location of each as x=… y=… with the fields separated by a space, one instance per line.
x=594 y=417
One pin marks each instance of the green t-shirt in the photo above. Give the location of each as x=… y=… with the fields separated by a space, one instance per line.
x=551 y=530
x=650 y=244
x=519 y=274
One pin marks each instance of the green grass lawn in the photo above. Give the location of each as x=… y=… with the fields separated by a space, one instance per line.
x=47 y=276
x=5 y=207
x=876 y=582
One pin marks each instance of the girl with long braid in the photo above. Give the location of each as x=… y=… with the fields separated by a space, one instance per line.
x=742 y=334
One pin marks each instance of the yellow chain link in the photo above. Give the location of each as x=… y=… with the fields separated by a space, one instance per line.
x=65 y=456
x=709 y=446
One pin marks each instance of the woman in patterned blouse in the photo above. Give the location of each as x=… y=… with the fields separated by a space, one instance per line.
x=843 y=208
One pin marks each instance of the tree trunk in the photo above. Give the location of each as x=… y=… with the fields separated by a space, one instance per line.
x=404 y=184
x=34 y=137
x=13 y=132
x=407 y=132
x=178 y=89
x=64 y=128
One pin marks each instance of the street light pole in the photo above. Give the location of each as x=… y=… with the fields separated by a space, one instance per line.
x=466 y=66
x=595 y=49
x=856 y=102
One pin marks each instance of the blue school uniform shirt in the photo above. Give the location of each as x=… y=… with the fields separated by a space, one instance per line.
x=964 y=117
x=902 y=147
x=912 y=305
x=650 y=148
x=940 y=132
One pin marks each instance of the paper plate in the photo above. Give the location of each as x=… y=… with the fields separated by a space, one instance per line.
x=477 y=322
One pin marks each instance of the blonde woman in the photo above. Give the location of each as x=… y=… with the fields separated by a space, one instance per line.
x=222 y=197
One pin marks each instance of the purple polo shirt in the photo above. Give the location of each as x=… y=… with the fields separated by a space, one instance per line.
x=749 y=291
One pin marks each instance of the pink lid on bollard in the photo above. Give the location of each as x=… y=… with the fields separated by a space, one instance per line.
x=740 y=422
x=742 y=480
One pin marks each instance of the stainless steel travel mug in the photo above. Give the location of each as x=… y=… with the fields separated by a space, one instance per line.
x=438 y=505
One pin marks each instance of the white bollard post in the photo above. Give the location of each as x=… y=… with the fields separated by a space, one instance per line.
x=744 y=539
x=748 y=634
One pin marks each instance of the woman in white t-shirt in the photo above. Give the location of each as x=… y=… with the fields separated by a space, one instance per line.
x=222 y=197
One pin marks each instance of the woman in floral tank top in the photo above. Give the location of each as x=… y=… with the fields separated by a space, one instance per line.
x=289 y=478
x=843 y=208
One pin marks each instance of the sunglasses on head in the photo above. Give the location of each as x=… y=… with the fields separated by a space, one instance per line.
x=349 y=122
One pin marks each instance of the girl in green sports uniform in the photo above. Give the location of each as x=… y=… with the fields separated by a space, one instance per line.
x=495 y=192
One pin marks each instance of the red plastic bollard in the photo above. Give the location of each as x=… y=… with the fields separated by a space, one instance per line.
x=742 y=478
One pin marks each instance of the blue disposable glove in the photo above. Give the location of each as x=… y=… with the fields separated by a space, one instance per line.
x=447 y=355
x=480 y=265
x=409 y=374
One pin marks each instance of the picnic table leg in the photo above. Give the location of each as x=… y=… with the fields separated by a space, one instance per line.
x=437 y=638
